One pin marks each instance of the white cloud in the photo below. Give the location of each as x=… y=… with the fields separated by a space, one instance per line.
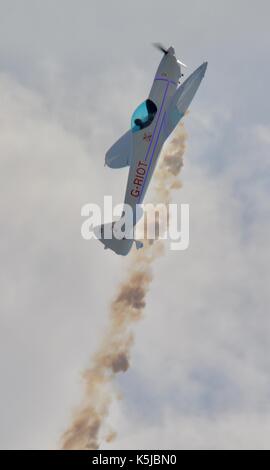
x=201 y=353
x=177 y=431
x=200 y=369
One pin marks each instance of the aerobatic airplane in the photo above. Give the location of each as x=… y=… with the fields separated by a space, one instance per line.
x=151 y=124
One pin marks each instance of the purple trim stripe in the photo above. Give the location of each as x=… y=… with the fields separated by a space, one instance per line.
x=153 y=135
x=165 y=80
x=153 y=152
x=152 y=138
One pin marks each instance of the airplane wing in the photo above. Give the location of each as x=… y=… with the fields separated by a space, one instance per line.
x=182 y=98
x=119 y=155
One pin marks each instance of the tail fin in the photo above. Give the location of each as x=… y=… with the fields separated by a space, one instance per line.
x=106 y=236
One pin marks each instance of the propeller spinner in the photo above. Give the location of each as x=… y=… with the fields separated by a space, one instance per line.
x=163 y=49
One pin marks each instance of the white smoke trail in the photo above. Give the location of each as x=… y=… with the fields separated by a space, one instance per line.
x=113 y=355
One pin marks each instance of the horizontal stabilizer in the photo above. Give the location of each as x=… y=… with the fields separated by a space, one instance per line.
x=119 y=155
x=120 y=246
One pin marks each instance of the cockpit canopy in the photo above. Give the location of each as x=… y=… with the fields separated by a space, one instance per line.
x=143 y=115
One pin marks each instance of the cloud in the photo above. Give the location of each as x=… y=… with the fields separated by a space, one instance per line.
x=177 y=431
x=206 y=377
x=48 y=278
x=66 y=94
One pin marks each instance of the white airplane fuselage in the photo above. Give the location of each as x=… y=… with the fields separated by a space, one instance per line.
x=147 y=143
x=152 y=123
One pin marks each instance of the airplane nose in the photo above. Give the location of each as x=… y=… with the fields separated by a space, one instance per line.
x=171 y=51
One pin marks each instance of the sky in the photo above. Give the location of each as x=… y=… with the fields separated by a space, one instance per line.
x=71 y=74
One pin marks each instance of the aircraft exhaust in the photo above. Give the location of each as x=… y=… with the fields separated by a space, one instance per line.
x=87 y=429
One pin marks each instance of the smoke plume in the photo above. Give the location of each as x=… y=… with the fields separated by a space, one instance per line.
x=113 y=355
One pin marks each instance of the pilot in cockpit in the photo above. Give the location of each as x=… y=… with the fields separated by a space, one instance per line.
x=148 y=116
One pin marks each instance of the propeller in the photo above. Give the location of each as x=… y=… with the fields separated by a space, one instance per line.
x=163 y=49
x=160 y=47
